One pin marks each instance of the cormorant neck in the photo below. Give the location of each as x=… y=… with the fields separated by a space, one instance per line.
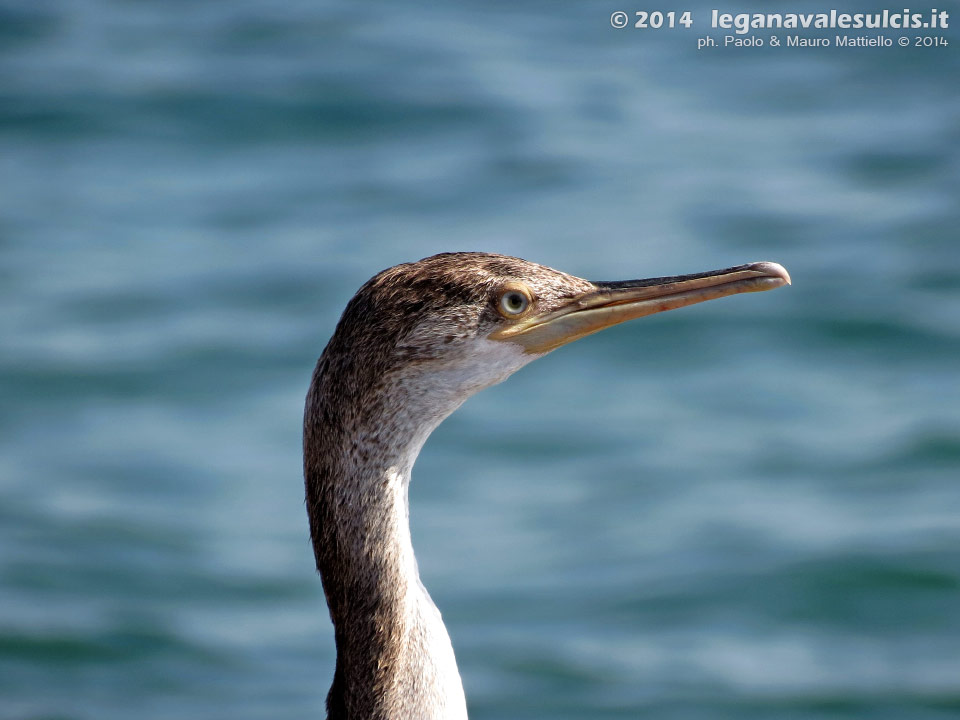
x=394 y=656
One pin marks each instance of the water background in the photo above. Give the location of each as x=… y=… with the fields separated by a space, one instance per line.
x=747 y=509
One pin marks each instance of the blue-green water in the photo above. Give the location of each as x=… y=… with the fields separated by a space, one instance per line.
x=746 y=509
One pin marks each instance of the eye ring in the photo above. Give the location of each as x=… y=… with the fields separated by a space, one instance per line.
x=514 y=300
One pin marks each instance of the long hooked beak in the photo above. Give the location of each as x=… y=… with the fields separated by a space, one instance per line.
x=616 y=302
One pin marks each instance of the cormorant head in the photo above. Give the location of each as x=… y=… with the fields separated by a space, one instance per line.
x=472 y=319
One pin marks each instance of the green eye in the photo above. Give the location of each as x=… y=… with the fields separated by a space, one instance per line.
x=514 y=301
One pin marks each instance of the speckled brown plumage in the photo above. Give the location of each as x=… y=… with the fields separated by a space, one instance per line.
x=368 y=404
